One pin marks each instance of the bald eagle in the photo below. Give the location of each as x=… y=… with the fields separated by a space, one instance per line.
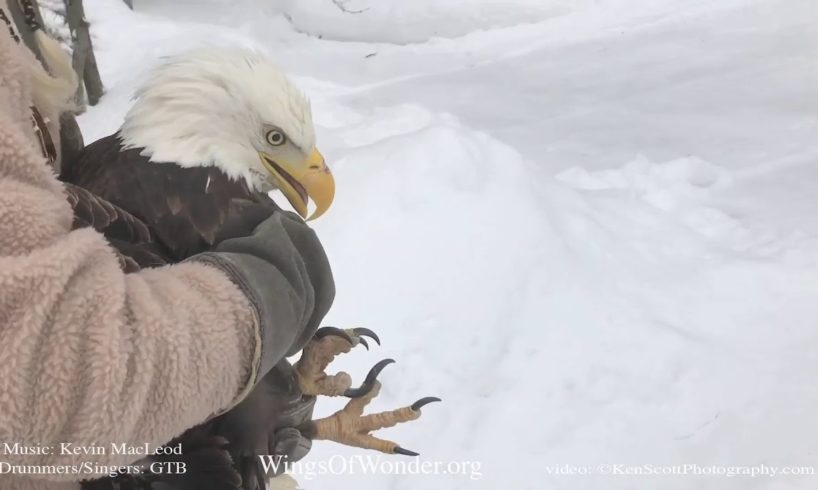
x=208 y=136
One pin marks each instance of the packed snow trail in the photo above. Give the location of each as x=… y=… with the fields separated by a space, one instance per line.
x=588 y=226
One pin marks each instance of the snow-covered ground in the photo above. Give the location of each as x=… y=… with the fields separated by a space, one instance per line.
x=590 y=226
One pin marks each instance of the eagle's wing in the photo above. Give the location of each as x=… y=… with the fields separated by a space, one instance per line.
x=131 y=238
x=92 y=211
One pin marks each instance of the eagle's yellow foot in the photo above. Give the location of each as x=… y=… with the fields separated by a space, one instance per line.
x=350 y=427
x=321 y=350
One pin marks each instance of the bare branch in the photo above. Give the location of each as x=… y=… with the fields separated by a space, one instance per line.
x=342 y=5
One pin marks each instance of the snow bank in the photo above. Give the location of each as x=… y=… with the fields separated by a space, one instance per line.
x=680 y=188
x=375 y=21
x=402 y=22
x=626 y=294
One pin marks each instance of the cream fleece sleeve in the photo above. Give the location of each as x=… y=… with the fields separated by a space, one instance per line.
x=88 y=355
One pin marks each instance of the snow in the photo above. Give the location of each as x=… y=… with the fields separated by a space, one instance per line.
x=588 y=226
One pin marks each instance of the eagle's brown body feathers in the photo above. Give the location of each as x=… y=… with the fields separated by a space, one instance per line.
x=188 y=210
x=129 y=235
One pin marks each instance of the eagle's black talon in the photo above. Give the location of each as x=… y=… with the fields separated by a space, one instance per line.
x=405 y=452
x=424 y=401
x=327 y=331
x=363 y=342
x=369 y=382
x=365 y=332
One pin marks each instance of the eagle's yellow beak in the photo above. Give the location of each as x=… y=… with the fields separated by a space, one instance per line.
x=299 y=183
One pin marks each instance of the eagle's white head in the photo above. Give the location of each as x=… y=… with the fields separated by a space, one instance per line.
x=234 y=109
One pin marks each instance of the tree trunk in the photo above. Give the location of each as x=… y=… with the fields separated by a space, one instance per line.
x=24 y=27
x=93 y=82
x=85 y=63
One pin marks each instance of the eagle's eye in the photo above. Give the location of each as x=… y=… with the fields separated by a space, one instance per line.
x=275 y=137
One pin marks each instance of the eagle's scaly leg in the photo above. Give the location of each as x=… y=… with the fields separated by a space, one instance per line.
x=321 y=350
x=351 y=427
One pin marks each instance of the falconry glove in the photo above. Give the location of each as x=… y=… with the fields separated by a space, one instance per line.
x=285 y=274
